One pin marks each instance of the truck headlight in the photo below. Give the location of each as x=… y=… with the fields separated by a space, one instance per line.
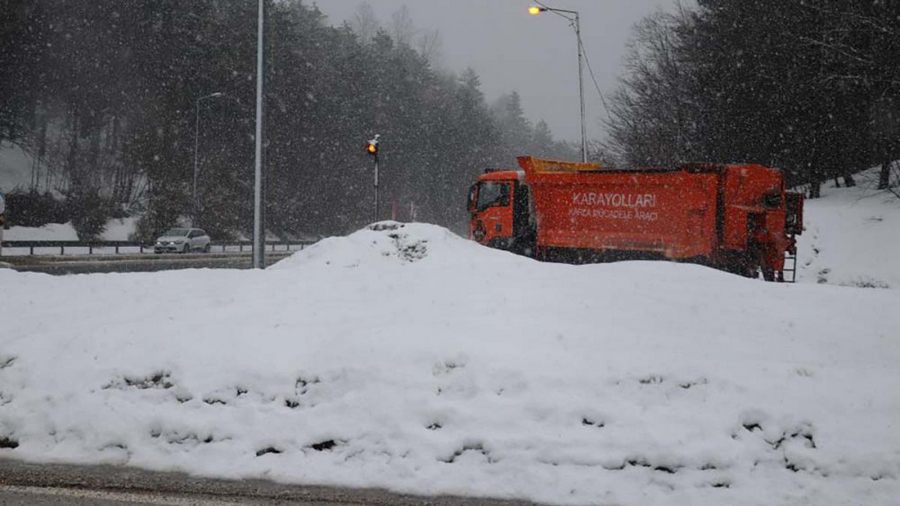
x=479 y=232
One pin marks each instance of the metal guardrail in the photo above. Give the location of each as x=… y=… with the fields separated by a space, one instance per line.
x=117 y=245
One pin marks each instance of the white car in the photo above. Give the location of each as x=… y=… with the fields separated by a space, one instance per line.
x=182 y=240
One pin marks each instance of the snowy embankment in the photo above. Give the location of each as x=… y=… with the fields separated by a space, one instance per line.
x=852 y=236
x=115 y=230
x=414 y=360
x=119 y=229
x=49 y=232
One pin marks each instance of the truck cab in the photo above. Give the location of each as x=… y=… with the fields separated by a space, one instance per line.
x=499 y=206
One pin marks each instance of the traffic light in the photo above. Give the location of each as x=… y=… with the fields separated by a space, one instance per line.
x=372 y=146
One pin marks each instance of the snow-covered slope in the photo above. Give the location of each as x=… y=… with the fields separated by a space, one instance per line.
x=15 y=167
x=49 y=232
x=852 y=236
x=411 y=359
x=116 y=230
x=119 y=229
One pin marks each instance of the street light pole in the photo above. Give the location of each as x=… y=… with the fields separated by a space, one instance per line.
x=258 y=254
x=534 y=11
x=194 y=205
x=581 y=87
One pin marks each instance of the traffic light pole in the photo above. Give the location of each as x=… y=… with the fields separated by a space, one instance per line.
x=2 y=220
x=372 y=149
x=376 y=188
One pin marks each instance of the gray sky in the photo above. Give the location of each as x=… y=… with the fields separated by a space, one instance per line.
x=535 y=55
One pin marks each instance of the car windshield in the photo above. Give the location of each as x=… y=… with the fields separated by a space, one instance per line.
x=175 y=232
x=493 y=194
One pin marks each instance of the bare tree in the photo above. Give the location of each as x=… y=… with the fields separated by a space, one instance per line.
x=402 y=29
x=430 y=44
x=648 y=114
x=365 y=23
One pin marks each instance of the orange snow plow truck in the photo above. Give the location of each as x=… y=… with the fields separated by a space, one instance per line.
x=735 y=217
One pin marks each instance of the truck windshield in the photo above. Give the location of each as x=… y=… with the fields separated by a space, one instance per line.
x=493 y=194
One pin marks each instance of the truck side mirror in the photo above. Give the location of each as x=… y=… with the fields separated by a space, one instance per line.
x=473 y=198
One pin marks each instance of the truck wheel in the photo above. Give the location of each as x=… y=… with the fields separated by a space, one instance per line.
x=754 y=263
x=768 y=273
x=187 y=249
x=753 y=272
x=207 y=248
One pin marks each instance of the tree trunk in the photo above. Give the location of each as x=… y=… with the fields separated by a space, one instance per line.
x=815 y=189
x=72 y=166
x=94 y=176
x=849 y=182
x=42 y=148
x=884 y=178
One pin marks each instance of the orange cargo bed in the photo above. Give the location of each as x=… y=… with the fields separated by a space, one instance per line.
x=672 y=213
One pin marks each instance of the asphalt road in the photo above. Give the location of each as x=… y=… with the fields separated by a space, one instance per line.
x=85 y=264
x=24 y=483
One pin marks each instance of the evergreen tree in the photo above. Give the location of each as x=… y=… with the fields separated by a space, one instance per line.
x=807 y=87
x=116 y=113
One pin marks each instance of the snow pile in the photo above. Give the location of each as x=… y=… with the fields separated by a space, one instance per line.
x=15 y=167
x=49 y=232
x=119 y=229
x=390 y=244
x=852 y=236
x=115 y=230
x=408 y=358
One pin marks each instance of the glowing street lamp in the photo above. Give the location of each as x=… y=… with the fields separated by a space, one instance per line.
x=534 y=10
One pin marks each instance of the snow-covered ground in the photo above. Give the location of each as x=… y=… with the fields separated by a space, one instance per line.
x=852 y=236
x=15 y=167
x=49 y=232
x=418 y=361
x=116 y=230
x=119 y=229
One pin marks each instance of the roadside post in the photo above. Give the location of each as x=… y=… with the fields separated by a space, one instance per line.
x=372 y=149
x=2 y=220
x=259 y=247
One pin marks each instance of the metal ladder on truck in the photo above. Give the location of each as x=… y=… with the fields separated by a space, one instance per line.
x=790 y=266
x=793 y=226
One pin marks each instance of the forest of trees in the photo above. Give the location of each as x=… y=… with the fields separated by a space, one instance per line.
x=103 y=95
x=812 y=87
